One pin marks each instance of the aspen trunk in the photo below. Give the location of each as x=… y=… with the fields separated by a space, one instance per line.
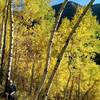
x=64 y=48
x=10 y=59
x=3 y=40
x=49 y=49
x=71 y=89
x=78 y=92
x=86 y=93
x=16 y=60
x=31 y=83
x=66 y=89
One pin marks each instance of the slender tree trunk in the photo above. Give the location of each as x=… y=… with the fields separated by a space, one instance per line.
x=10 y=59
x=64 y=48
x=44 y=76
x=3 y=41
x=31 y=83
x=16 y=60
x=66 y=89
x=71 y=89
x=1 y=44
x=86 y=93
x=78 y=92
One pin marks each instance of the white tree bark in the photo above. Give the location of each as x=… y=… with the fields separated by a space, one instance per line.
x=64 y=48
x=10 y=58
x=11 y=46
x=49 y=49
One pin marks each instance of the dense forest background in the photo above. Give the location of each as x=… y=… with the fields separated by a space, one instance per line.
x=40 y=34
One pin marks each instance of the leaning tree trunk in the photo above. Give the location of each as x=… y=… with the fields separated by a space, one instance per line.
x=44 y=76
x=3 y=40
x=64 y=48
x=10 y=58
x=86 y=93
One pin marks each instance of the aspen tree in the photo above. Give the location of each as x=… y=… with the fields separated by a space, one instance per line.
x=3 y=40
x=59 y=58
x=49 y=49
x=10 y=58
x=31 y=82
x=69 y=78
